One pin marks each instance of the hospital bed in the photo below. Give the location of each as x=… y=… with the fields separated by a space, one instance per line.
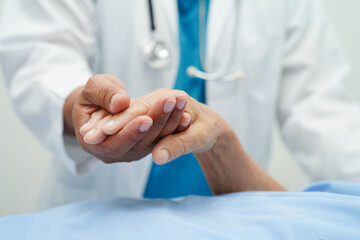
x=327 y=210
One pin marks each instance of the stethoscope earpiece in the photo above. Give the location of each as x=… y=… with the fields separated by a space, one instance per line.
x=192 y=71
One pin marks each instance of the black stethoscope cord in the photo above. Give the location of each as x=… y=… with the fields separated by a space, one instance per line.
x=151 y=14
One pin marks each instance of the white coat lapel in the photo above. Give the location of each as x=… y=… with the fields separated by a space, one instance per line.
x=168 y=18
x=225 y=98
x=218 y=22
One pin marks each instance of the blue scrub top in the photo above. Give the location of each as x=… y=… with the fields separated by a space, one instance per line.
x=183 y=176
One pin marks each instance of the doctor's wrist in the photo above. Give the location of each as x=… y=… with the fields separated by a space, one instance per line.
x=68 y=111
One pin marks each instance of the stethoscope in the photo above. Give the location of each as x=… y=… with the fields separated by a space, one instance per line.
x=157 y=55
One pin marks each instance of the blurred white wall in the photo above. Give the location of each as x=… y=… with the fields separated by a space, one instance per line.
x=24 y=161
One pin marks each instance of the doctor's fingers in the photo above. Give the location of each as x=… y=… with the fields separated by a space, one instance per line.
x=107 y=92
x=117 y=148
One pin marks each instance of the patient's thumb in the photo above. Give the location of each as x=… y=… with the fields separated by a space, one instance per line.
x=170 y=148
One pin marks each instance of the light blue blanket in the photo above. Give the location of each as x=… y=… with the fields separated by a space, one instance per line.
x=321 y=212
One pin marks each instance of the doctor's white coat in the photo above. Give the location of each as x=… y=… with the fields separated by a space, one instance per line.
x=294 y=72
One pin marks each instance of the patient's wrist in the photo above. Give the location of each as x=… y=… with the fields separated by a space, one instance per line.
x=219 y=163
x=229 y=168
x=227 y=137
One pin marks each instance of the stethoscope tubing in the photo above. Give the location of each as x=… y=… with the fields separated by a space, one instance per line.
x=220 y=75
x=151 y=15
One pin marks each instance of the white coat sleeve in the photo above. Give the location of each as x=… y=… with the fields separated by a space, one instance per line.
x=318 y=119
x=45 y=49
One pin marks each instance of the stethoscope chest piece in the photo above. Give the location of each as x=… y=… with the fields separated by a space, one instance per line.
x=155 y=53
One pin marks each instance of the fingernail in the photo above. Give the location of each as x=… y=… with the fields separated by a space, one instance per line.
x=164 y=155
x=185 y=122
x=169 y=105
x=113 y=99
x=109 y=124
x=84 y=128
x=89 y=134
x=145 y=126
x=180 y=104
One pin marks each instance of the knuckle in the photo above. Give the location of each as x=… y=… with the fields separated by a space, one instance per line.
x=114 y=80
x=181 y=92
x=105 y=150
x=104 y=93
x=92 y=80
x=139 y=151
x=161 y=121
x=114 y=151
x=141 y=147
x=144 y=105
x=139 y=107
x=133 y=137
x=90 y=85
x=180 y=146
x=117 y=151
x=203 y=138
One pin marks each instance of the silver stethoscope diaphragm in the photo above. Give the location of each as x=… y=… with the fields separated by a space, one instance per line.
x=156 y=53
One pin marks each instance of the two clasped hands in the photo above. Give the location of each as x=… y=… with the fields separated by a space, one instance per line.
x=168 y=124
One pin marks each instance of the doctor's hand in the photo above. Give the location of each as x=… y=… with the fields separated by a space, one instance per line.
x=142 y=123
x=164 y=106
x=101 y=91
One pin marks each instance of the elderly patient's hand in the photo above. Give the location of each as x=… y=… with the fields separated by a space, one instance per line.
x=225 y=163
x=205 y=128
